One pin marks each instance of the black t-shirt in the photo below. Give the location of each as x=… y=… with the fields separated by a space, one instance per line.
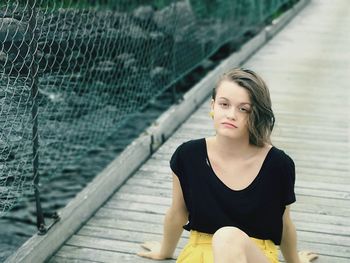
x=257 y=209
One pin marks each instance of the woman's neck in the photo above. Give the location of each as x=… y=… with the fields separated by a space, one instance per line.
x=230 y=148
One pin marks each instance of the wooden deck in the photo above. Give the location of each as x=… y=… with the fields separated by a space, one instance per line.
x=307 y=67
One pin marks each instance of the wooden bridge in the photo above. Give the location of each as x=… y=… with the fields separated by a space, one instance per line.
x=307 y=67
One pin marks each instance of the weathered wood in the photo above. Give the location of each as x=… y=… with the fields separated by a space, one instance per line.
x=134 y=236
x=136 y=197
x=130 y=215
x=114 y=245
x=130 y=225
x=57 y=259
x=82 y=253
x=317 y=237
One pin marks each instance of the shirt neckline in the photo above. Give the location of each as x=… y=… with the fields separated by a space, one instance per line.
x=267 y=157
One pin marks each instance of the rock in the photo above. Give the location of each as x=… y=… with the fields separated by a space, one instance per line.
x=175 y=16
x=135 y=32
x=52 y=96
x=105 y=70
x=3 y=57
x=106 y=64
x=159 y=74
x=12 y=30
x=144 y=13
x=126 y=59
x=207 y=64
x=209 y=34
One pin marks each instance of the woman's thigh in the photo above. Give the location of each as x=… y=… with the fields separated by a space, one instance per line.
x=199 y=250
x=232 y=243
x=255 y=254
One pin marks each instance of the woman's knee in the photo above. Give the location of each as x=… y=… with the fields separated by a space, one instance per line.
x=230 y=243
x=230 y=235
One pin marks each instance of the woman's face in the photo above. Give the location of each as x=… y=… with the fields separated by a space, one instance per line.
x=231 y=109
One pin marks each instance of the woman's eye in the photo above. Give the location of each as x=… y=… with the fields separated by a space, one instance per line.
x=243 y=110
x=223 y=104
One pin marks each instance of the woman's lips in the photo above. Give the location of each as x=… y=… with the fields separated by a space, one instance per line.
x=229 y=125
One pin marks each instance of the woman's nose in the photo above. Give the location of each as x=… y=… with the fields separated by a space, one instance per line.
x=231 y=113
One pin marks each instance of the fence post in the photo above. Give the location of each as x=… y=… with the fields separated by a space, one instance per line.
x=35 y=136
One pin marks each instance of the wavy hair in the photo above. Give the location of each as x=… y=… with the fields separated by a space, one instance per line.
x=261 y=119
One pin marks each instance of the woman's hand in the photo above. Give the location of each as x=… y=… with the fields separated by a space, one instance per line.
x=307 y=256
x=153 y=251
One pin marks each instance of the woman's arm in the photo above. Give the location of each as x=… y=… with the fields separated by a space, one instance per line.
x=289 y=242
x=289 y=239
x=175 y=218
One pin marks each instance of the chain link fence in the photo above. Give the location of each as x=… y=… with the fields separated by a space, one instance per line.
x=72 y=72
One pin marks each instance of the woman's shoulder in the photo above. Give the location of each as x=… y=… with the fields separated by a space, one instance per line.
x=192 y=145
x=281 y=155
x=187 y=150
x=282 y=160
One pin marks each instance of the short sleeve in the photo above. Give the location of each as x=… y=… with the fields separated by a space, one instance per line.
x=175 y=161
x=288 y=182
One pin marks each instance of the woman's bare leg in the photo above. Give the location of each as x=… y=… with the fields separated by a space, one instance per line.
x=231 y=245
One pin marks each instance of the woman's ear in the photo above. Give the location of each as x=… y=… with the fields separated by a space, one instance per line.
x=211 y=113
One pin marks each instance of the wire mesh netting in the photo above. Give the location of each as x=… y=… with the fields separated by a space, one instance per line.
x=73 y=71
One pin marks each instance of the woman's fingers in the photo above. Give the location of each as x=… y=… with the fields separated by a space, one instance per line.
x=312 y=256
x=149 y=245
x=145 y=254
x=307 y=256
x=150 y=254
x=152 y=248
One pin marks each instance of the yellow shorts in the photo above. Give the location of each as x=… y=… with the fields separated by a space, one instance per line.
x=199 y=250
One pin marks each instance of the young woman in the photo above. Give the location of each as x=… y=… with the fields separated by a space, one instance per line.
x=232 y=191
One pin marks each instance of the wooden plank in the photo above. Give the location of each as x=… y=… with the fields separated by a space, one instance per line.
x=129 y=225
x=141 y=198
x=130 y=215
x=326 y=250
x=317 y=237
x=106 y=256
x=147 y=182
x=320 y=218
x=310 y=207
x=132 y=206
x=324 y=186
x=123 y=235
x=58 y=259
x=335 y=195
x=323 y=172
x=104 y=244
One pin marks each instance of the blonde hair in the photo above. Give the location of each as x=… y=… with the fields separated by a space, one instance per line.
x=261 y=119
